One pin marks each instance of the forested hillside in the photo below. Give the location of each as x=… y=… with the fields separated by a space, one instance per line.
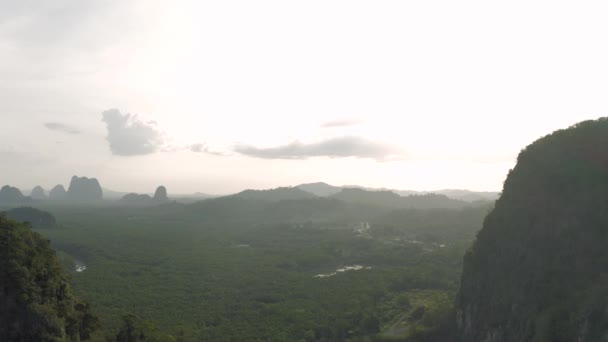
x=392 y=200
x=35 y=217
x=37 y=303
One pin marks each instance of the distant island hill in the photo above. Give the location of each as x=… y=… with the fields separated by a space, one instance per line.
x=80 y=190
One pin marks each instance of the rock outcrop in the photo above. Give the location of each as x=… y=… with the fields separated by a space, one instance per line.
x=160 y=195
x=84 y=189
x=38 y=193
x=58 y=193
x=538 y=270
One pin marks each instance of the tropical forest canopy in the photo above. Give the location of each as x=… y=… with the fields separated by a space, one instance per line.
x=274 y=265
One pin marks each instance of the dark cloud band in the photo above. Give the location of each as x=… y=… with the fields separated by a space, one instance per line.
x=59 y=127
x=340 y=123
x=341 y=147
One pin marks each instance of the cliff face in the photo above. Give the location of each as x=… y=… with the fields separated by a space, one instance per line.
x=538 y=270
x=84 y=189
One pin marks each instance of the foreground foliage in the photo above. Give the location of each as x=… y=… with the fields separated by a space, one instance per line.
x=36 y=301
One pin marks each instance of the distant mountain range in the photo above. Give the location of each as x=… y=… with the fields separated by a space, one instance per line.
x=89 y=189
x=392 y=200
x=324 y=190
x=196 y=196
x=377 y=198
x=348 y=205
x=278 y=194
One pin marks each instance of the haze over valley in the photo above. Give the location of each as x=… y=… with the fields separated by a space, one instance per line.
x=313 y=171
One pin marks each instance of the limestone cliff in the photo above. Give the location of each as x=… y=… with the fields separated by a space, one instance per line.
x=84 y=189
x=538 y=270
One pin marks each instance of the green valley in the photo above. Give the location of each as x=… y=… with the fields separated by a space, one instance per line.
x=209 y=277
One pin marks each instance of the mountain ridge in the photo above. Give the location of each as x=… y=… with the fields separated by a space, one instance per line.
x=323 y=189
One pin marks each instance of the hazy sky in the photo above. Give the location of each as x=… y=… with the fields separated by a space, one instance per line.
x=218 y=96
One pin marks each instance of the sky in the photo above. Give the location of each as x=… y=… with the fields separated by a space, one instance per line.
x=220 y=96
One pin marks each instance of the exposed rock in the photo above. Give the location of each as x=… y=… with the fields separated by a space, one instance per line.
x=84 y=189
x=38 y=193
x=160 y=195
x=538 y=270
x=58 y=193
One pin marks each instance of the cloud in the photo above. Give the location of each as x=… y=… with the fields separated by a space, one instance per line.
x=129 y=136
x=340 y=123
x=341 y=147
x=203 y=148
x=198 y=148
x=59 y=127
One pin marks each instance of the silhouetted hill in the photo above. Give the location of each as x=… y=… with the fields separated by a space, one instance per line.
x=235 y=208
x=277 y=194
x=323 y=190
x=136 y=199
x=160 y=195
x=84 y=189
x=468 y=195
x=37 y=218
x=392 y=200
x=12 y=195
x=378 y=198
x=538 y=270
x=38 y=193
x=296 y=205
x=58 y=193
x=320 y=189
